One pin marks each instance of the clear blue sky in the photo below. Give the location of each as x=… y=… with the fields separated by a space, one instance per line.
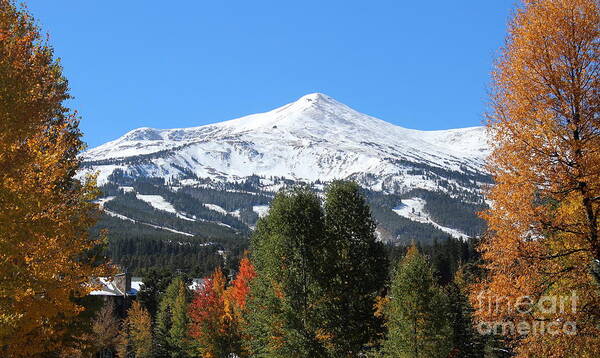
x=166 y=64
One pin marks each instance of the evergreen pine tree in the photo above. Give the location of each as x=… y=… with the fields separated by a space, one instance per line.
x=417 y=319
x=155 y=284
x=171 y=336
x=466 y=341
x=178 y=333
x=355 y=271
x=282 y=314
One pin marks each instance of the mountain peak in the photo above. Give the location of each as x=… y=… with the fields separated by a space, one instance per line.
x=319 y=101
x=314 y=122
x=314 y=97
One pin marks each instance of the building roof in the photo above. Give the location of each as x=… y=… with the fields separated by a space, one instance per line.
x=109 y=288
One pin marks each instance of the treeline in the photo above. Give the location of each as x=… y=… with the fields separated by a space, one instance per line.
x=455 y=209
x=138 y=248
x=128 y=205
x=317 y=283
x=446 y=257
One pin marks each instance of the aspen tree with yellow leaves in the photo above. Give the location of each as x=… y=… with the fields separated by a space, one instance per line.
x=46 y=256
x=543 y=245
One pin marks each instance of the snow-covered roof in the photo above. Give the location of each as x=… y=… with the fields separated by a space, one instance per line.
x=197 y=283
x=110 y=288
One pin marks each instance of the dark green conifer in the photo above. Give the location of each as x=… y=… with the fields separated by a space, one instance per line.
x=417 y=314
x=283 y=307
x=171 y=336
x=466 y=341
x=355 y=271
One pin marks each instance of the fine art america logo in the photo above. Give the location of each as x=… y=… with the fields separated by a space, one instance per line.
x=545 y=306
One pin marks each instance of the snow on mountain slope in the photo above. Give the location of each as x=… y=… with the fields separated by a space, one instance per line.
x=126 y=218
x=414 y=209
x=159 y=203
x=261 y=210
x=314 y=138
x=216 y=208
x=103 y=201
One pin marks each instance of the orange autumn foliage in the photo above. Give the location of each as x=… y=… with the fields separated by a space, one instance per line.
x=45 y=213
x=240 y=287
x=543 y=241
x=207 y=310
x=216 y=312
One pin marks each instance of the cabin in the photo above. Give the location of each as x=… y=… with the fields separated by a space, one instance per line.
x=120 y=289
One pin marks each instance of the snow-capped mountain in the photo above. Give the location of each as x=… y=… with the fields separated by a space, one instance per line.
x=422 y=184
x=314 y=138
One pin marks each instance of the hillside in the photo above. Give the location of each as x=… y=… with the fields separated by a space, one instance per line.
x=215 y=181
